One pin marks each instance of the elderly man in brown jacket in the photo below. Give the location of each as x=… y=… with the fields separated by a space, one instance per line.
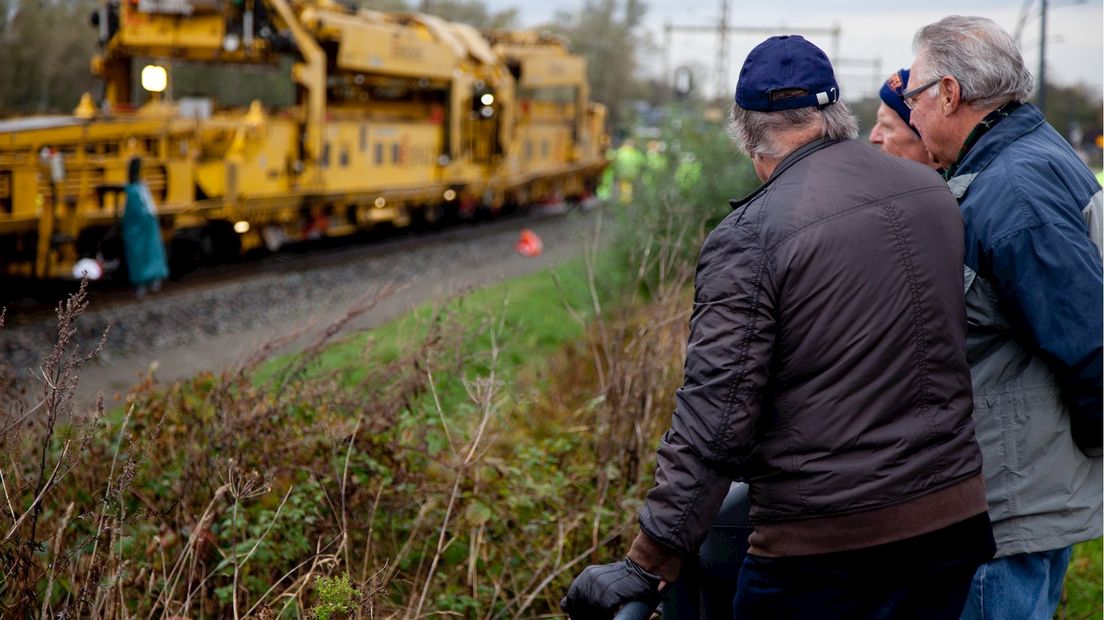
x=826 y=368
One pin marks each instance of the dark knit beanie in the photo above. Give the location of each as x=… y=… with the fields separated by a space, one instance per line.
x=891 y=95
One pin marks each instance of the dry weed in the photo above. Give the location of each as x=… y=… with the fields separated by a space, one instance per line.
x=440 y=486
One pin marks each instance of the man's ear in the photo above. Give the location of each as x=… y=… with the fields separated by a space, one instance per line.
x=950 y=95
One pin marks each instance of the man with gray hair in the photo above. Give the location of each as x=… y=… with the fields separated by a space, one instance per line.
x=1033 y=298
x=826 y=368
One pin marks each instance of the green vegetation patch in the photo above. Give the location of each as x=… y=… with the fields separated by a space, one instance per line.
x=1083 y=596
x=526 y=317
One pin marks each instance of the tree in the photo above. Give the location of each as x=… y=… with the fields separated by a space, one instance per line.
x=46 y=46
x=609 y=34
x=1075 y=112
x=866 y=110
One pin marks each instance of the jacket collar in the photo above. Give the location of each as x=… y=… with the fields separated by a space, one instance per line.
x=1024 y=120
x=795 y=156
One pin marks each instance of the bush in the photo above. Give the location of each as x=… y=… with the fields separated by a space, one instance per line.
x=335 y=595
x=420 y=460
x=683 y=195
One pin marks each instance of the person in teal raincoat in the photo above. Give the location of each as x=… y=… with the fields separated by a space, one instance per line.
x=145 y=252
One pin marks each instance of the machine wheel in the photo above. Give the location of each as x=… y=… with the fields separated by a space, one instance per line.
x=221 y=243
x=432 y=215
x=185 y=252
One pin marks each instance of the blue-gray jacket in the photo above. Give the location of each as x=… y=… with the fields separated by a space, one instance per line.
x=1033 y=301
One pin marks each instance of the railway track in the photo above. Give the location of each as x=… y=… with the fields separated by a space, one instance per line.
x=206 y=318
x=28 y=301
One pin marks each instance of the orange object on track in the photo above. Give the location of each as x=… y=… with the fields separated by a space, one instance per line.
x=529 y=244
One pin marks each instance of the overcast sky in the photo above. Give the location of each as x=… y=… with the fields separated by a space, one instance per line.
x=872 y=31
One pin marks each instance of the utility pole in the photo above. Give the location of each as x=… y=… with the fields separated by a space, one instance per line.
x=720 y=83
x=867 y=68
x=667 y=78
x=1041 y=100
x=722 y=30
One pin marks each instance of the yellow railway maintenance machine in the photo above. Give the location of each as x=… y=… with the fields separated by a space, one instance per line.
x=393 y=117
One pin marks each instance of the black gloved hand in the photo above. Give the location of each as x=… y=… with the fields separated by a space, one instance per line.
x=599 y=591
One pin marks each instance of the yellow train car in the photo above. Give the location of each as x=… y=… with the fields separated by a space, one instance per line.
x=395 y=118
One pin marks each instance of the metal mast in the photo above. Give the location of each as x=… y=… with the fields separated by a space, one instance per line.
x=1041 y=101
x=720 y=83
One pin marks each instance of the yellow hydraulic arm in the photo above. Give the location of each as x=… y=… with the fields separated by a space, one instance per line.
x=311 y=74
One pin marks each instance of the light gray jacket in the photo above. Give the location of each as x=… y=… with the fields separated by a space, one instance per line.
x=1033 y=307
x=1044 y=493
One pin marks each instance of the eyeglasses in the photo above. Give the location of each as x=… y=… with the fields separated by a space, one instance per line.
x=909 y=97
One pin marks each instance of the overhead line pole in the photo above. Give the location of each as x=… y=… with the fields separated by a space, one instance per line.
x=1022 y=21
x=873 y=66
x=723 y=29
x=720 y=82
x=667 y=78
x=1042 y=56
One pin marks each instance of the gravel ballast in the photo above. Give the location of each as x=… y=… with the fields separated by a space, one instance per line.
x=197 y=319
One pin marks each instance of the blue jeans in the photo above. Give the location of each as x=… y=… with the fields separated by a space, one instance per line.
x=1026 y=586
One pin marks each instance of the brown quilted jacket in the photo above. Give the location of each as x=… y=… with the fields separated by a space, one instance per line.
x=826 y=365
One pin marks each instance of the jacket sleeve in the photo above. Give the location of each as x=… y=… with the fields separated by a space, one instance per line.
x=1050 y=277
x=718 y=406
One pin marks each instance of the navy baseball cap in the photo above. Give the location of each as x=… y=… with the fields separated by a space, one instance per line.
x=781 y=63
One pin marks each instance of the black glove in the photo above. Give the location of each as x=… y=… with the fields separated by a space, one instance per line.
x=599 y=591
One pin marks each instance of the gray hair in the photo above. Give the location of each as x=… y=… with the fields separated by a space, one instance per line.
x=756 y=133
x=979 y=54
